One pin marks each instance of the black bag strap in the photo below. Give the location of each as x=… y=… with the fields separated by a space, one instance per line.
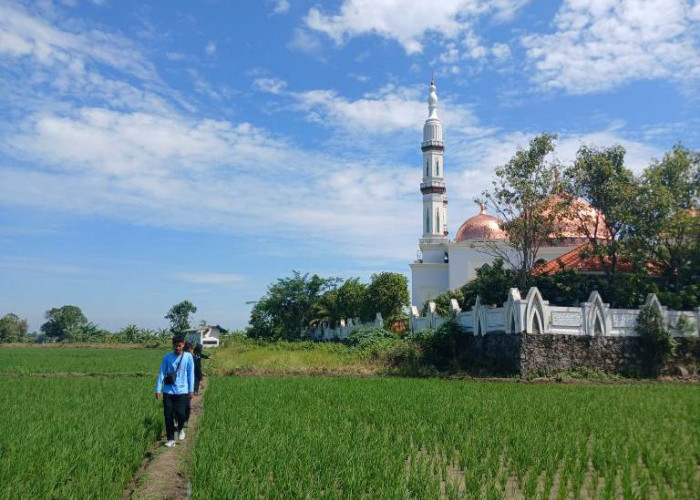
x=177 y=367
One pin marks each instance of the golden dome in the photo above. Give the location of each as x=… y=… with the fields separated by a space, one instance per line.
x=480 y=227
x=577 y=216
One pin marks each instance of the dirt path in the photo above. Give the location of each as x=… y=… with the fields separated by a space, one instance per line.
x=164 y=473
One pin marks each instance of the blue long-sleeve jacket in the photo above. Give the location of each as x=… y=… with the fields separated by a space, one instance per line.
x=184 y=382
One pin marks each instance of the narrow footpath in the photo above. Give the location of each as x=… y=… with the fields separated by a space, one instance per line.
x=164 y=473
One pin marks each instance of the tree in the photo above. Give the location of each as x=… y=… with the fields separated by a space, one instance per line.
x=289 y=307
x=351 y=298
x=179 y=316
x=388 y=294
x=600 y=177
x=62 y=321
x=667 y=229
x=521 y=196
x=12 y=328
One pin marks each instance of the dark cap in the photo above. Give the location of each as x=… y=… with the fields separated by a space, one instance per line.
x=188 y=345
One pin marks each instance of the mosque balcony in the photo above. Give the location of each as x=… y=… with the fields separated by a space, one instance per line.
x=433 y=240
x=428 y=145
x=433 y=186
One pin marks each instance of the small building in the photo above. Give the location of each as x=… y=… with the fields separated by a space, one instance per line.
x=207 y=336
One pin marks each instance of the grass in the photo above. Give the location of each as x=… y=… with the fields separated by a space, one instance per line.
x=279 y=438
x=255 y=357
x=74 y=438
x=36 y=360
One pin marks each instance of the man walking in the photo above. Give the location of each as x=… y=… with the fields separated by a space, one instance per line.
x=176 y=384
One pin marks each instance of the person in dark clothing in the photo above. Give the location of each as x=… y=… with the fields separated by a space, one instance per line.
x=189 y=348
x=176 y=384
x=198 y=377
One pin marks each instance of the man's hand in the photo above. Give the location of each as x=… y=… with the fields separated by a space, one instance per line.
x=158 y=396
x=191 y=395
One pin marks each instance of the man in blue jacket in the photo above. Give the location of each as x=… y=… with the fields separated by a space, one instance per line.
x=176 y=384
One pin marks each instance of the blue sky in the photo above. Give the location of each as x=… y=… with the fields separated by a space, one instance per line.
x=152 y=152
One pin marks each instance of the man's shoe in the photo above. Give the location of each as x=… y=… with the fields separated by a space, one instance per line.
x=181 y=436
x=170 y=443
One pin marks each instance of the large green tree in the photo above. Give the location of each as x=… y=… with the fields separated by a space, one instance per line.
x=61 y=321
x=522 y=197
x=667 y=229
x=179 y=316
x=12 y=328
x=340 y=302
x=289 y=307
x=600 y=177
x=388 y=294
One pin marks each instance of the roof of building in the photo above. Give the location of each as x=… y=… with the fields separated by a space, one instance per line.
x=481 y=227
x=572 y=260
x=576 y=214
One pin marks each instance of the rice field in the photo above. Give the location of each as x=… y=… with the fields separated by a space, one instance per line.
x=74 y=438
x=84 y=360
x=349 y=438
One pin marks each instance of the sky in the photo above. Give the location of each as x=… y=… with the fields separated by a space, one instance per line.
x=152 y=152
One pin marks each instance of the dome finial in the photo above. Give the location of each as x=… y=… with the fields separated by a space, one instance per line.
x=432 y=78
x=483 y=207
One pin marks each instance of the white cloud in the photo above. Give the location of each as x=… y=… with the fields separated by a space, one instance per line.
x=210 y=48
x=175 y=56
x=306 y=42
x=25 y=35
x=271 y=85
x=407 y=21
x=388 y=110
x=359 y=77
x=281 y=7
x=601 y=45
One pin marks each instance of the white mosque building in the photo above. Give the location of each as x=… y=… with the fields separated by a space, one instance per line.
x=445 y=264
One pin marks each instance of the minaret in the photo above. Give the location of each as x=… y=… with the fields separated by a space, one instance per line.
x=433 y=183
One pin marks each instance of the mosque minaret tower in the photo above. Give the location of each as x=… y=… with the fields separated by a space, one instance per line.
x=433 y=182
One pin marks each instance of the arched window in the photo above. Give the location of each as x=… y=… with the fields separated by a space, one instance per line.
x=427 y=220
x=437 y=168
x=427 y=168
x=437 y=220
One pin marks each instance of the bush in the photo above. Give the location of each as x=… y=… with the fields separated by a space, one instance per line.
x=366 y=337
x=402 y=355
x=445 y=348
x=655 y=338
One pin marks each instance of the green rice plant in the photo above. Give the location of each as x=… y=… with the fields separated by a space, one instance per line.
x=415 y=438
x=74 y=438
x=84 y=360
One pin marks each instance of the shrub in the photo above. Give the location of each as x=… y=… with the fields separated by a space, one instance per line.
x=655 y=338
x=402 y=355
x=446 y=347
x=365 y=337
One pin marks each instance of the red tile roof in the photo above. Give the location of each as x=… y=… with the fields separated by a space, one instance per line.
x=573 y=260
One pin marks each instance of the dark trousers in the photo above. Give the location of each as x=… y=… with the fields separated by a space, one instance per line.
x=174 y=409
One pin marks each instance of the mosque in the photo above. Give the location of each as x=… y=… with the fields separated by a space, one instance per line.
x=443 y=264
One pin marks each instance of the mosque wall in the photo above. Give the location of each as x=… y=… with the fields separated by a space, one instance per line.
x=428 y=280
x=533 y=338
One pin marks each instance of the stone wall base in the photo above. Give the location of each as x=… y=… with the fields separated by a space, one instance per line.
x=545 y=354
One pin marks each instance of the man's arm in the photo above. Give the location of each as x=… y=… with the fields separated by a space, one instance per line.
x=161 y=375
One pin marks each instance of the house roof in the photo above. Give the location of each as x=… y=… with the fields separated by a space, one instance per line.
x=591 y=264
